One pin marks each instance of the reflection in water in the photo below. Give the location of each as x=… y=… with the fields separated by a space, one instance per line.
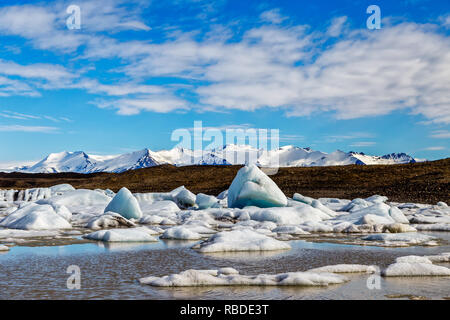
x=111 y=271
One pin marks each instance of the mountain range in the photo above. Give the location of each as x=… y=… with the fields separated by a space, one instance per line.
x=286 y=156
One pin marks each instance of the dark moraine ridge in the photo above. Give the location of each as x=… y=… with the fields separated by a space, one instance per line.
x=425 y=182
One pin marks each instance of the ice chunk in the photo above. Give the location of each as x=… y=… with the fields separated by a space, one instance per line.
x=442 y=204
x=191 y=278
x=141 y=234
x=377 y=199
x=400 y=238
x=398 y=215
x=183 y=197
x=289 y=230
x=180 y=233
x=241 y=240
x=417 y=269
x=35 y=217
x=252 y=187
x=346 y=268
x=223 y=195
x=109 y=220
x=61 y=188
x=79 y=197
x=443 y=257
x=433 y=227
x=159 y=207
x=413 y=259
x=125 y=204
x=204 y=201
x=302 y=198
x=4 y=248
x=399 y=228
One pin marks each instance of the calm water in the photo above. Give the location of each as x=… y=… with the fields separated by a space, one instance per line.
x=112 y=271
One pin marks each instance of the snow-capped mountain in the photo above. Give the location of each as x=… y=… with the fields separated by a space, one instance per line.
x=287 y=156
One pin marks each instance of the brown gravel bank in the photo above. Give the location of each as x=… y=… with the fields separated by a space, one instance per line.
x=426 y=182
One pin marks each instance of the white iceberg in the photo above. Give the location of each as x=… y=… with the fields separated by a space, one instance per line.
x=35 y=217
x=346 y=268
x=252 y=187
x=205 y=201
x=109 y=220
x=4 y=248
x=125 y=204
x=401 y=238
x=140 y=234
x=79 y=197
x=231 y=277
x=183 y=197
x=180 y=233
x=415 y=269
x=241 y=240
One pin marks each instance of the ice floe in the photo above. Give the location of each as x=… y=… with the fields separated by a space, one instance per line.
x=414 y=269
x=180 y=233
x=401 y=239
x=109 y=220
x=231 y=277
x=125 y=204
x=4 y=248
x=35 y=217
x=346 y=268
x=241 y=240
x=140 y=234
x=252 y=187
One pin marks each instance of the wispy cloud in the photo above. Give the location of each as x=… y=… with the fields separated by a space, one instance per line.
x=436 y=148
x=363 y=144
x=440 y=134
x=20 y=128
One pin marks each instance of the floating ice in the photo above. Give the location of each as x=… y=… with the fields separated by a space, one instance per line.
x=180 y=233
x=159 y=207
x=417 y=269
x=290 y=230
x=398 y=228
x=443 y=257
x=79 y=197
x=204 y=201
x=252 y=187
x=183 y=197
x=109 y=220
x=4 y=248
x=413 y=259
x=141 y=234
x=433 y=227
x=400 y=238
x=14 y=233
x=231 y=277
x=241 y=240
x=61 y=188
x=125 y=204
x=302 y=198
x=346 y=268
x=35 y=217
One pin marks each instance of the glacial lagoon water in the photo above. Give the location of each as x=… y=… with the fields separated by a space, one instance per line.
x=111 y=271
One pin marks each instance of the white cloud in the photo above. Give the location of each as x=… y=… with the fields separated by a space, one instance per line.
x=12 y=87
x=154 y=103
x=363 y=144
x=337 y=26
x=437 y=148
x=440 y=134
x=20 y=128
x=273 y=16
x=45 y=71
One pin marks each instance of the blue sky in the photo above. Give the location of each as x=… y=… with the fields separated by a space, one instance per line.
x=137 y=70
